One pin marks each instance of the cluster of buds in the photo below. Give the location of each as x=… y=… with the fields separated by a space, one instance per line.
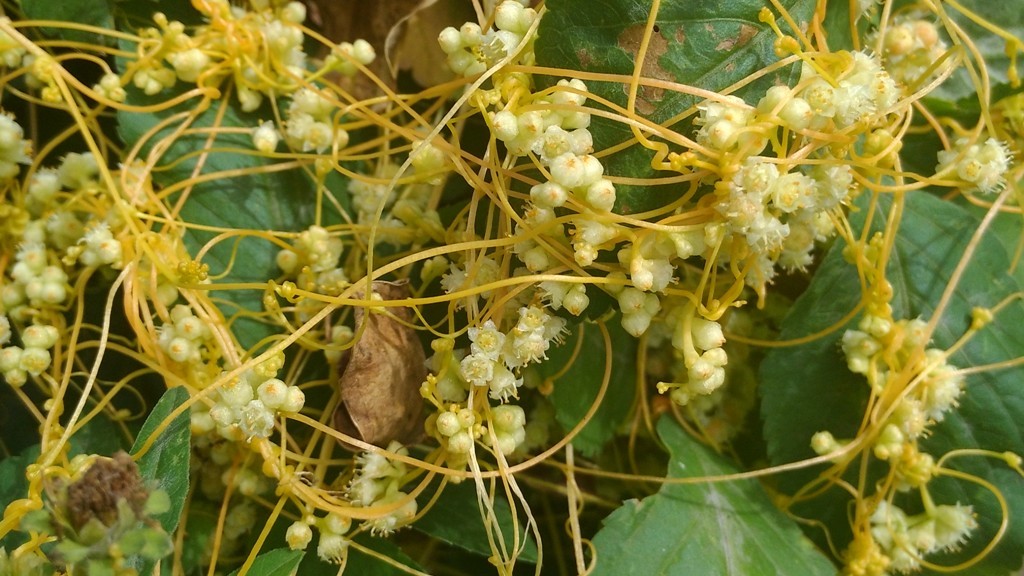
x=32 y=357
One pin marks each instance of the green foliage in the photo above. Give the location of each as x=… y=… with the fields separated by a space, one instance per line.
x=579 y=364
x=275 y=563
x=362 y=563
x=166 y=459
x=455 y=519
x=807 y=388
x=437 y=228
x=96 y=13
x=959 y=95
x=704 y=527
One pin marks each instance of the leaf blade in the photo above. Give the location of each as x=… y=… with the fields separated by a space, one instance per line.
x=279 y=562
x=576 y=389
x=807 y=388
x=167 y=459
x=706 y=528
x=455 y=519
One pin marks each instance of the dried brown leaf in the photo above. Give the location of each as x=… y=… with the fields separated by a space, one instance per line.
x=380 y=377
x=402 y=32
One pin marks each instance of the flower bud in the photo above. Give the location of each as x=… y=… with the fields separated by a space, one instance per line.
x=298 y=535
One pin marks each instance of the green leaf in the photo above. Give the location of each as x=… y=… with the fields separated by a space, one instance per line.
x=958 y=94
x=280 y=562
x=703 y=528
x=94 y=13
x=808 y=388
x=361 y=563
x=455 y=519
x=167 y=460
x=576 y=390
x=1008 y=228
x=132 y=15
x=280 y=200
x=712 y=45
x=837 y=25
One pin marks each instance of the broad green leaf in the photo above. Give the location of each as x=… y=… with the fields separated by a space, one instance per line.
x=576 y=389
x=838 y=32
x=703 y=528
x=455 y=519
x=959 y=95
x=94 y=13
x=280 y=562
x=711 y=45
x=1008 y=228
x=167 y=459
x=807 y=388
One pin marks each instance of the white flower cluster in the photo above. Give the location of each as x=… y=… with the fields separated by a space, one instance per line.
x=310 y=123
x=76 y=173
x=940 y=383
x=701 y=343
x=344 y=56
x=910 y=46
x=377 y=482
x=97 y=247
x=110 y=87
x=722 y=124
x=779 y=217
x=333 y=543
x=638 y=308
x=508 y=422
x=888 y=353
x=471 y=50
x=247 y=406
x=212 y=50
x=571 y=296
x=14 y=149
x=368 y=196
x=313 y=260
x=38 y=279
x=32 y=357
x=37 y=282
x=314 y=248
x=265 y=137
x=983 y=166
x=458 y=430
x=478 y=272
x=863 y=93
x=495 y=357
x=907 y=539
x=556 y=133
x=184 y=337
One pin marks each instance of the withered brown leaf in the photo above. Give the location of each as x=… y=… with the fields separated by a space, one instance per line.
x=380 y=376
x=402 y=32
